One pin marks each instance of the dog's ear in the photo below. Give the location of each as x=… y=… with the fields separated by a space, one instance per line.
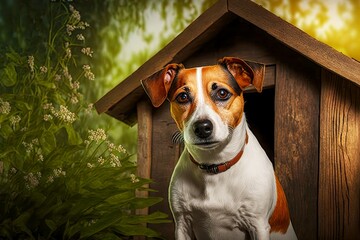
x=158 y=85
x=245 y=72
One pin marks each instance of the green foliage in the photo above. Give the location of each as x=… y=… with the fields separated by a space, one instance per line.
x=58 y=179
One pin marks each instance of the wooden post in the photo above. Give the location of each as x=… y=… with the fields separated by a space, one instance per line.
x=144 y=113
x=297 y=95
x=339 y=169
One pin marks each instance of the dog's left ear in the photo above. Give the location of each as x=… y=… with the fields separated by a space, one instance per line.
x=158 y=85
x=245 y=72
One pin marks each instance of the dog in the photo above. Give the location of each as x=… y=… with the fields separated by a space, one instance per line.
x=224 y=185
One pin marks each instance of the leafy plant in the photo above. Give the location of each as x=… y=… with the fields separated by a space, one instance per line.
x=59 y=180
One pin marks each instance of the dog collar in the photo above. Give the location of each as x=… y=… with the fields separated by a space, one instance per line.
x=221 y=167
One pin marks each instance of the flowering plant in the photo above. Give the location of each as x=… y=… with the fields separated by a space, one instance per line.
x=57 y=179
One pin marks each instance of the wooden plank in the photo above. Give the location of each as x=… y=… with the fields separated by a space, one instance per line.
x=144 y=112
x=339 y=189
x=164 y=158
x=296 y=39
x=297 y=95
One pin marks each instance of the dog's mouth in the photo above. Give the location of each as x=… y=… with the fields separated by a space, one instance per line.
x=207 y=144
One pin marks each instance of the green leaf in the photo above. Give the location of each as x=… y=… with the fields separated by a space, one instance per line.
x=51 y=224
x=140 y=203
x=8 y=75
x=14 y=56
x=47 y=84
x=73 y=137
x=48 y=141
x=8 y=149
x=103 y=223
x=136 y=230
x=21 y=223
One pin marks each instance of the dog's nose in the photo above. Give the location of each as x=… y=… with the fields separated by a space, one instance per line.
x=203 y=128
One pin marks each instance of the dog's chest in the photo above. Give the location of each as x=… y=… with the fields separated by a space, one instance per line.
x=218 y=210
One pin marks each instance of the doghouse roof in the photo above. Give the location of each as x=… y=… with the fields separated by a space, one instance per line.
x=120 y=102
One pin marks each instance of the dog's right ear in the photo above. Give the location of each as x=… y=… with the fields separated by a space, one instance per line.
x=158 y=85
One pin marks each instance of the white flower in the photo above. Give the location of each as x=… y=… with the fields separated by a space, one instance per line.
x=43 y=69
x=134 y=179
x=75 y=85
x=97 y=135
x=50 y=179
x=68 y=53
x=114 y=160
x=57 y=77
x=121 y=149
x=75 y=14
x=13 y=170
x=101 y=160
x=47 y=117
x=89 y=165
x=58 y=172
x=66 y=73
x=5 y=107
x=28 y=146
x=32 y=180
x=40 y=157
x=74 y=99
x=69 y=29
x=87 y=51
x=48 y=106
x=89 y=109
x=87 y=72
x=80 y=37
x=31 y=63
x=14 y=120
x=111 y=146
x=64 y=114
x=35 y=141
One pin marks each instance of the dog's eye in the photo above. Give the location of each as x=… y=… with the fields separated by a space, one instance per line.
x=183 y=98
x=223 y=94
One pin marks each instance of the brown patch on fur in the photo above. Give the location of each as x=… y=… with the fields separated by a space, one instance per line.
x=280 y=218
x=230 y=111
x=180 y=112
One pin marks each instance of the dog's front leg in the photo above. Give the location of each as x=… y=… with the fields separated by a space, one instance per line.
x=261 y=231
x=183 y=229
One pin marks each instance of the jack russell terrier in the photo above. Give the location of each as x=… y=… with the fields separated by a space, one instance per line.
x=224 y=185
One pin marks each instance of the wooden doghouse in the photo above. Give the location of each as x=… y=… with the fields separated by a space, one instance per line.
x=307 y=117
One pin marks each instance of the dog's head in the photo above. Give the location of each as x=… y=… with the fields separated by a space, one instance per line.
x=206 y=102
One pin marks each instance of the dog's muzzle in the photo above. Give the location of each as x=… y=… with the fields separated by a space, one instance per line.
x=203 y=128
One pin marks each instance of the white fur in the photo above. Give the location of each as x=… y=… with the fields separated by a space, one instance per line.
x=235 y=204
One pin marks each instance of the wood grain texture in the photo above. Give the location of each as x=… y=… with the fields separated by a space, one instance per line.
x=339 y=189
x=165 y=155
x=144 y=112
x=297 y=95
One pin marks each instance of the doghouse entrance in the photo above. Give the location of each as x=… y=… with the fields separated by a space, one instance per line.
x=259 y=110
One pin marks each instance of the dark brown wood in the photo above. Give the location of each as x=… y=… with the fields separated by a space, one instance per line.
x=164 y=158
x=297 y=95
x=144 y=112
x=339 y=189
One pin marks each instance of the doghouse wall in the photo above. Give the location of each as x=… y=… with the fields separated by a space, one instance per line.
x=307 y=120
